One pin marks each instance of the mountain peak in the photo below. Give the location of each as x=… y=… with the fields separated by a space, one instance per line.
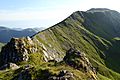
x=98 y=10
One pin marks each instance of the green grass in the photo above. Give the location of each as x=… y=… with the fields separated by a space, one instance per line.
x=71 y=33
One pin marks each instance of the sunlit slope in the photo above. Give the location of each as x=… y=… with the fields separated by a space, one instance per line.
x=77 y=31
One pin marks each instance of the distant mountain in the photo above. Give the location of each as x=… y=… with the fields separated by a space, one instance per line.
x=7 y=33
x=84 y=46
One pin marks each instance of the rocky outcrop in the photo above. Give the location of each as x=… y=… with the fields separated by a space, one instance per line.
x=17 y=50
x=79 y=61
x=50 y=53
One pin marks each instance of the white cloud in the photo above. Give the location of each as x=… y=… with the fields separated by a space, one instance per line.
x=48 y=16
x=32 y=18
x=33 y=14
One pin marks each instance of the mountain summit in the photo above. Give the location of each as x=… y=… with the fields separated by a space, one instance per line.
x=83 y=46
x=98 y=9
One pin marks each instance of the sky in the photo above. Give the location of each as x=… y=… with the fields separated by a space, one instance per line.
x=45 y=13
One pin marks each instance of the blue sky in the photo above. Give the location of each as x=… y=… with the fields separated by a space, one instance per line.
x=45 y=13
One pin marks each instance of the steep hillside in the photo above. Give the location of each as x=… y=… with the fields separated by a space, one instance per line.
x=83 y=46
x=102 y=22
x=6 y=33
x=91 y=32
x=105 y=24
x=73 y=32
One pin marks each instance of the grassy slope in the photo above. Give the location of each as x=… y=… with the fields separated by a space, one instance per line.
x=113 y=60
x=71 y=33
x=106 y=25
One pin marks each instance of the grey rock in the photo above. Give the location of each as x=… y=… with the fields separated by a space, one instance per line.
x=17 y=50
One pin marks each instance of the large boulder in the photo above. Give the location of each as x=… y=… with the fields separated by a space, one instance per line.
x=79 y=60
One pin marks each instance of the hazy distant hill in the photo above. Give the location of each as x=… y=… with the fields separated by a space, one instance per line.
x=7 y=33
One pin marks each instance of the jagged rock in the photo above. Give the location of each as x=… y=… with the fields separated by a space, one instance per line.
x=9 y=66
x=79 y=61
x=63 y=75
x=17 y=50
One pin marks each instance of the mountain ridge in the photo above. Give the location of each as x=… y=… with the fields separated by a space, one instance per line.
x=63 y=43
